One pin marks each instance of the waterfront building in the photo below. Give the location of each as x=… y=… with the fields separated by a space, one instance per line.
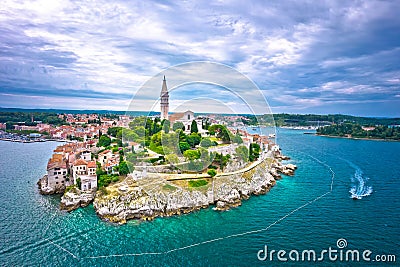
x=57 y=172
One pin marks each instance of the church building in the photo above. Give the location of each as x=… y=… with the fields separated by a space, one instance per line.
x=185 y=117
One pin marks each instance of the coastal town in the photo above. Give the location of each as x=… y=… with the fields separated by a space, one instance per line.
x=142 y=167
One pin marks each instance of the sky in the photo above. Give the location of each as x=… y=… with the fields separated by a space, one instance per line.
x=319 y=57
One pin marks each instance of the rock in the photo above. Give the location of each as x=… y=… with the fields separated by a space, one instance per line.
x=47 y=190
x=147 y=202
x=75 y=198
x=291 y=167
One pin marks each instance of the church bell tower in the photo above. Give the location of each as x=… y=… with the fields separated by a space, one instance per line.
x=164 y=100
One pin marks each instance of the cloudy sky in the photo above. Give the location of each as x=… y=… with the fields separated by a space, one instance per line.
x=305 y=56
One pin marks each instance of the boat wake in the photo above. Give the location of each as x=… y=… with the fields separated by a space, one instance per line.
x=359 y=188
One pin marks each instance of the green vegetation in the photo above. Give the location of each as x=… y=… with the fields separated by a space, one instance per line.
x=315 y=120
x=23 y=132
x=212 y=172
x=254 y=151
x=106 y=179
x=206 y=142
x=12 y=118
x=178 y=126
x=191 y=154
x=172 y=158
x=115 y=132
x=242 y=153
x=123 y=168
x=357 y=131
x=221 y=160
x=169 y=187
x=221 y=131
x=78 y=182
x=183 y=146
x=193 y=127
x=104 y=141
x=70 y=188
x=193 y=139
x=165 y=126
x=197 y=183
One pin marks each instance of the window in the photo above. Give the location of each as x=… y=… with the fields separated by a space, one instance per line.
x=188 y=116
x=56 y=177
x=188 y=128
x=56 y=182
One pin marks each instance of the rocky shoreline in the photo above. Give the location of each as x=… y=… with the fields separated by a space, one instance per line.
x=75 y=198
x=44 y=189
x=148 y=197
x=134 y=200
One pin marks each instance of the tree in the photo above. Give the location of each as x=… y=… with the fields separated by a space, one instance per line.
x=129 y=135
x=172 y=158
x=221 y=131
x=183 y=146
x=137 y=121
x=123 y=168
x=206 y=142
x=78 y=182
x=242 y=153
x=191 y=154
x=254 y=151
x=166 y=125
x=114 y=131
x=140 y=131
x=178 y=125
x=237 y=139
x=212 y=172
x=193 y=127
x=193 y=139
x=221 y=160
x=104 y=141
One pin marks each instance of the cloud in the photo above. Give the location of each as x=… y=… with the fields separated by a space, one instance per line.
x=302 y=54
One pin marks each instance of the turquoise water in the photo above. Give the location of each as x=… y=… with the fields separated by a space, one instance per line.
x=34 y=232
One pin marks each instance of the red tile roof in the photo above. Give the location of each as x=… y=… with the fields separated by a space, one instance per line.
x=80 y=162
x=91 y=164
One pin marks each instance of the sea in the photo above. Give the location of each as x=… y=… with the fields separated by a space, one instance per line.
x=313 y=210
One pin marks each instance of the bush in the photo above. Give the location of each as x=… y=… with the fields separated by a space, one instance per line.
x=212 y=172
x=105 y=180
x=197 y=183
x=104 y=141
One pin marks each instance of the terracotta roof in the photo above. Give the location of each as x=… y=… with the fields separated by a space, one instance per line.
x=175 y=116
x=80 y=162
x=91 y=164
x=58 y=149
x=105 y=152
x=56 y=161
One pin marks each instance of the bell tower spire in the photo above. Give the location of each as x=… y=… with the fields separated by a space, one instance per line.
x=164 y=100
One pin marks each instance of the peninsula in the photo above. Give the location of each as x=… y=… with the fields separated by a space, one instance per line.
x=357 y=131
x=153 y=166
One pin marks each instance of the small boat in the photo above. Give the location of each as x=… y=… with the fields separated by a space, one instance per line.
x=355 y=197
